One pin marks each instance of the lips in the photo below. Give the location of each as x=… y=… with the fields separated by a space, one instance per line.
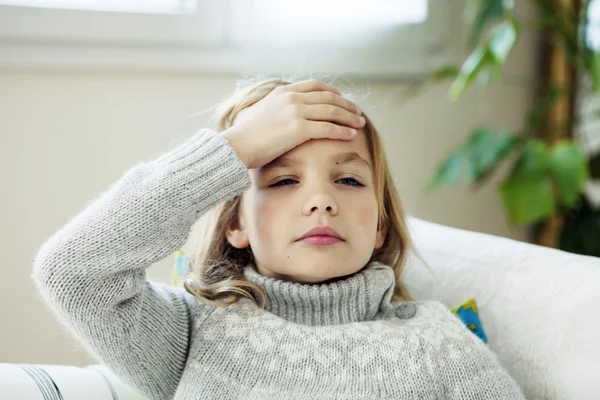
x=321 y=236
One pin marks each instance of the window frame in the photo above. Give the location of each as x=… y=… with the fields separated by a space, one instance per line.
x=58 y=39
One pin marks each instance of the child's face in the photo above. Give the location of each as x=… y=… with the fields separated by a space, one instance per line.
x=315 y=185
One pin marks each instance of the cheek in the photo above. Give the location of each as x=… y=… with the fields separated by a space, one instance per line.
x=366 y=214
x=264 y=212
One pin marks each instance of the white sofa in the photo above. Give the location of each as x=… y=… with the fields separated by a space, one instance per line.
x=62 y=382
x=539 y=309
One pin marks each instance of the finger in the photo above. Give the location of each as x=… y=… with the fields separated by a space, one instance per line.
x=311 y=85
x=326 y=112
x=328 y=130
x=329 y=98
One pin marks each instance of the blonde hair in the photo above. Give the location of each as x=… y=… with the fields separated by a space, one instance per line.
x=215 y=274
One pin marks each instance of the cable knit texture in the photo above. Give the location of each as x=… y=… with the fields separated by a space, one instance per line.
x=341 y=340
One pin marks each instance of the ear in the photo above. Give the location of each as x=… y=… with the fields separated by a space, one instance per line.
x=381 y=233
x=236 y=235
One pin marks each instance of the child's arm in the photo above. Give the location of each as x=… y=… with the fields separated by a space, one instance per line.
x=92 y=272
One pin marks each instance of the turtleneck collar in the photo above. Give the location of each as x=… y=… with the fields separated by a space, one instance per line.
x=359 y=297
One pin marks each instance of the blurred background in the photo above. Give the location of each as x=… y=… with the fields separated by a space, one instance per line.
x=486 y=108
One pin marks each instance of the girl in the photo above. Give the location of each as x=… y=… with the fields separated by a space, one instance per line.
x=295 y=292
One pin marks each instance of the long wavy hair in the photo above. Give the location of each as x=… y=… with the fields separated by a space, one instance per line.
x=215 y=272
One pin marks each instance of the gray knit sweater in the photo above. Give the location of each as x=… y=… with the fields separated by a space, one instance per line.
x=342 y=340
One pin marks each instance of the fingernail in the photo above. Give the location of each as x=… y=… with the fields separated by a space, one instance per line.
x=353 y=132
x=361 y=120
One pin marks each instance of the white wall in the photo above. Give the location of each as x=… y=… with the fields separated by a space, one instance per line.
x=67 y=136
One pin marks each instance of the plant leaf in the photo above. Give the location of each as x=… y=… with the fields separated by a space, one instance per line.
x=528 y=194
x=486 y=57
x=450 y=170
x=534 y=159
x=596 y=72
x=469 y=71
x=486 y=148
x=481 y=153
x=569 y=169
x=487 y=12
x=445 y=72
x=502 y=38
x=528 y=198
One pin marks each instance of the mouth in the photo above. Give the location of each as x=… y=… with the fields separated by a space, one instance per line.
x=321 y=236
x=320 y=240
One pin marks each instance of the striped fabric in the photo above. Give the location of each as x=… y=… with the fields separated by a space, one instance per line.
x=62 y=382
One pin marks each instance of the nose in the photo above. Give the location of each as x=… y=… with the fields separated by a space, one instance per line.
x=320 y=203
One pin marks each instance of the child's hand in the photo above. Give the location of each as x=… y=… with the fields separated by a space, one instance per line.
x=289 y=116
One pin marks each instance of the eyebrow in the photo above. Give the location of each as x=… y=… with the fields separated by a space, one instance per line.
x=351 y=157
x=341 y=158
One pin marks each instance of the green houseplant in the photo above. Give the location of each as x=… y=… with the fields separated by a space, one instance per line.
x=545 y=188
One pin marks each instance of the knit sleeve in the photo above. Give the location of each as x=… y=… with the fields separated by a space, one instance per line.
x=92 y=272
x=468 y=369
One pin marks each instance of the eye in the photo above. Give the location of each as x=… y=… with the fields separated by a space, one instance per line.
x=283 y=182
x=350 y=182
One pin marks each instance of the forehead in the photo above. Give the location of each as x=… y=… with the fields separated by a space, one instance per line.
x=324 y=149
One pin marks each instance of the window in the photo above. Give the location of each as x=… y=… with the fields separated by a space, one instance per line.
x=93 y=27
x=139 y=6
x=588 y=103
x=593 y=29
x=354 y=37
x=378 y=37
x=298 y=23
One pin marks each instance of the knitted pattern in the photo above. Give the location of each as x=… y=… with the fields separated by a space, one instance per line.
x=341 y=340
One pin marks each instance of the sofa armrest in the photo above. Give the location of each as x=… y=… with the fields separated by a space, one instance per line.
x=538 y=306
x=30 y=382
